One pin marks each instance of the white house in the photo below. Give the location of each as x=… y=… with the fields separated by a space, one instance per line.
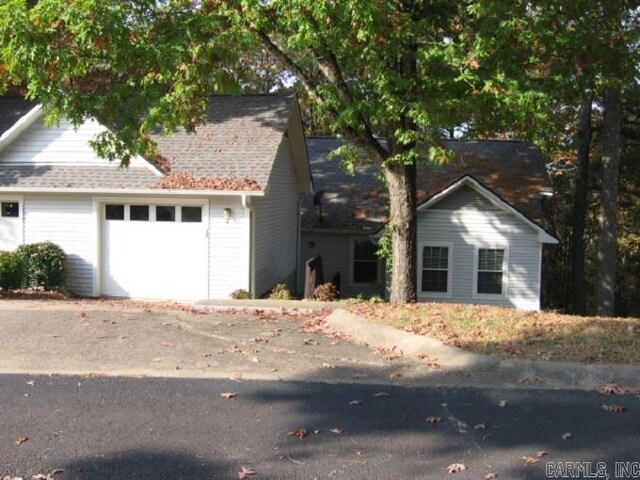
x=223 y=214
x=480 y=224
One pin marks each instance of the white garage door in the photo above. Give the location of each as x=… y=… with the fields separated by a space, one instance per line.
x=154 y=251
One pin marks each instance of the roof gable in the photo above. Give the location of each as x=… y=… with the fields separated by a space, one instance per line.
x=488 y=195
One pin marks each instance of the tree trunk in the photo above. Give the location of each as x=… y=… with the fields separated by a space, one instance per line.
x=578 y=284
x=608 y=244
x=401 y=182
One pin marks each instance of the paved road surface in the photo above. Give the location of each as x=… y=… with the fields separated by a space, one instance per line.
x=97 y=428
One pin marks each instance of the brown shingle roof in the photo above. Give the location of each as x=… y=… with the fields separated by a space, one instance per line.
x=513 y=170
x=239 y=139
x=75 y=176
x=238 y=143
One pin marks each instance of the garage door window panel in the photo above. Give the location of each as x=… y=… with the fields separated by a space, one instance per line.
x=114 y=211
x=192 y=214
x=165 y=213
x=139 y=213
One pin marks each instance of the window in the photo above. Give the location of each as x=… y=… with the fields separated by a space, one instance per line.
x=114 y=212
x=435 y=269
x=139 y=213
x=192 y=214
x=165 y=213
x=490 y=264
x=365 y=262
x=10 y=209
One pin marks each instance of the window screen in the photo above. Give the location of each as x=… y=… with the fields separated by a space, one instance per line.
x=490 y=262
x=365 y=262
x=435 y=269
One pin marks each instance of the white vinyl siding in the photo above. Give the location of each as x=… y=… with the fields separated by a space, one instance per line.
x=59 y=144
x=335 y=251
x=468 y=229
x=228 y=247
x=276 y=225
x=465 y=197
x=69 y=222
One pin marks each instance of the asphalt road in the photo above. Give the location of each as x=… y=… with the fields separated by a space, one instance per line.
x=157 y=428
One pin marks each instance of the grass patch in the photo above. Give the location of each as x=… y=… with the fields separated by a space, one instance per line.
x=511 y=333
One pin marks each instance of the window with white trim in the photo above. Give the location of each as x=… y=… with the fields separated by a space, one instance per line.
x=490 y=271
x=365 y=262
x=435 y=269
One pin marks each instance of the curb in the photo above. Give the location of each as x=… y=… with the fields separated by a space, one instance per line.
x=493 y=370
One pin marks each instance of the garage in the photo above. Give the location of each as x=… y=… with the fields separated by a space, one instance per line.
x=154 y=250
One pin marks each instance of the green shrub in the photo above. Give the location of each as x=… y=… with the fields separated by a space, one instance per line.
x=280 y=292
x=326 y=292
x=11 y=271
x=240 y=294
x=43 y=265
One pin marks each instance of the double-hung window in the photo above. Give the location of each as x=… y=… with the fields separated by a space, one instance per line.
x=365 y=262
x=436 y=266
x=490 y=271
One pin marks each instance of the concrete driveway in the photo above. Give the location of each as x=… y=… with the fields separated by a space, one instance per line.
x=93 y=337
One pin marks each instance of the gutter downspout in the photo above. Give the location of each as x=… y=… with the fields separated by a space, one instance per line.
x=251 y=270
x=299 y=271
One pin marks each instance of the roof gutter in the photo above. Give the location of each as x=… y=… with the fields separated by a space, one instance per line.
x=133 y=191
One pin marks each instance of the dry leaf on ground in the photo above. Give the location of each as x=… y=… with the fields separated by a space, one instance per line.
x=433 y=419
x=613 y=389
x=529 y=460
x=167 y=344
x=541 y=454
x=503 y=403
x=480 y=426
x=229 y=394
x=22 y=440
x=299 y=433
x=336 y=431
x=490 y=476
x=355 y=402
x=381 y=394
x=456 y=468
x=613 y=408
x=566 y=436
x=245 y=473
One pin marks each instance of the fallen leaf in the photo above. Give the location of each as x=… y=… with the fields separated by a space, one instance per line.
x=613 y=408
x=613 y=389
x=279 y=350
x=327 y=365
x=167 y=344
x=529 y=460
x=299 y=433
x=245 y=473
x=480 y=426
x=317 y=432
x=566 y=436
x=490 y=476
x=205 y=355
x=503 y=403
x=31 y=383
x=389 y=353
x=355 y=402
x=381 y=394
x=456 y=468
x=310 y=341
x=433 y=419
x=229 y=395
x=22 y=440
x=541 y=454
x=335 y=430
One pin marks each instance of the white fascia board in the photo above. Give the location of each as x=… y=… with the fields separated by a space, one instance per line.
x=20 y=126
x=131 y=191
x=543 y=236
